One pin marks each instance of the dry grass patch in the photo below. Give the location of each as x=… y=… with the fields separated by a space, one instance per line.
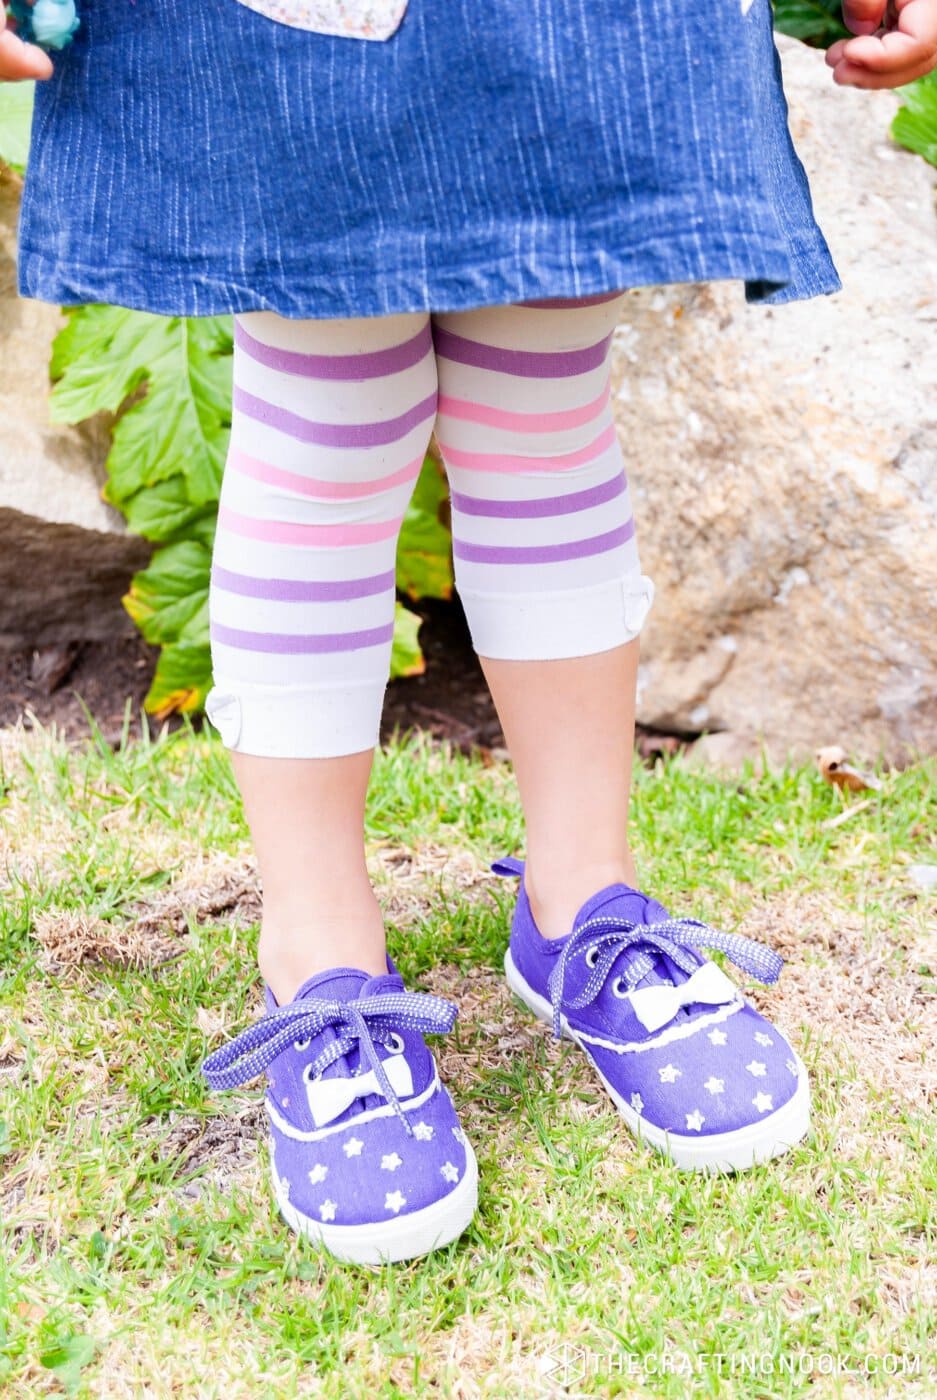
x=409 y=880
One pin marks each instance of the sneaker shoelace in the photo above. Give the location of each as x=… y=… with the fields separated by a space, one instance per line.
x=357 y=1024
x=609 y=935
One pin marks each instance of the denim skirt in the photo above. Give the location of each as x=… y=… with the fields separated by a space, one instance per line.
x=193 y=157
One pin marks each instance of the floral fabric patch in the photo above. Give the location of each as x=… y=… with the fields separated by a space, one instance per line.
x=350 y=19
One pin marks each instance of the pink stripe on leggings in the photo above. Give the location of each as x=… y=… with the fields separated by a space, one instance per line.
x=317 y=486
x=495 y=462
x=289 y=532
x=471 y=412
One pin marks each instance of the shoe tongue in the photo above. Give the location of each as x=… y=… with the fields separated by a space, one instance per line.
x=348 y=984
x=338 y=984
x=623 y=902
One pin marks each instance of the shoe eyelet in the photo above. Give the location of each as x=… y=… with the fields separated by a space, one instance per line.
x=592 y=956
x=619 y=989
x=395 y=1043
x=302 y=1045
x=307 y=1074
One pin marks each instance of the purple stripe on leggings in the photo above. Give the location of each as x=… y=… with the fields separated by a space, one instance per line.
x=303 y=644
x=294 y=590
x=569 y=303
x=539 y=510
x=545 y=553
x=334 y=434
x=525 y=364
x=371 y=364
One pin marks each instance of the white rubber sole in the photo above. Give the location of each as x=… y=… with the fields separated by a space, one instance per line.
x=391 y=1241
x=771 y=1136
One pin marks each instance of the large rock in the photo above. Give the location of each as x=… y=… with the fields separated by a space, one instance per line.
x=65 y=557
x=784 y=464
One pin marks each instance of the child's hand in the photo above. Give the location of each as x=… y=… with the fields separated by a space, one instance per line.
x=896 y=42
x=19 y=60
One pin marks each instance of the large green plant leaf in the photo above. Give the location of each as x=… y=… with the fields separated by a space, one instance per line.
x=915 y=124
x=169 y=600
x=406 y=657
x=16 y=114
x=817 y=22
x=182 y=679
x=179 y=427
x=424 y=554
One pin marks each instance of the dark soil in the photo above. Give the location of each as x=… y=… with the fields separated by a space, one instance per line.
x=60 y=687
x=54 y=687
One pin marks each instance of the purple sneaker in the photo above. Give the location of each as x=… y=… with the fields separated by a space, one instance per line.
x=693 y=1068
x=367 y=1155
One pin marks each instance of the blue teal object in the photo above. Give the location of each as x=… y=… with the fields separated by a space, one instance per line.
x=49 y=23
x=197 y=158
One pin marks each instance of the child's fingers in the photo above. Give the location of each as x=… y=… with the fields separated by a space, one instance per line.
x=851 y=75
x=863 y=16
x=907 y=50
x=890 y=53
x=19 y=60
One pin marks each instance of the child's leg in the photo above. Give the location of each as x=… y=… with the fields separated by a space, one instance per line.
x=548 y=572
x=330 y=426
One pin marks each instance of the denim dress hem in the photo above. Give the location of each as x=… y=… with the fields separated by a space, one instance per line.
x=199 y=160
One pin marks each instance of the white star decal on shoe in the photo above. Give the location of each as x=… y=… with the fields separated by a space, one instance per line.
x=352 y=1148
x=450 y=1171
x=390 y=1161
x=327 y=1210
x=422 y=1132
x=762 y=1102
x=792 y=1066
x=695 y=1120
x=284 y=1188
x=668 y=1073
x=637 y=1103
x=714 y=1085
x=763 y=1039
x=757 y=1069
x=318 y=1173
x=394 y=1201
x=458 y=1134
x=718 y=1037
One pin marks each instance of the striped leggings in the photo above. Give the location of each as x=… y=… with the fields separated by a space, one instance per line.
x=331 y=422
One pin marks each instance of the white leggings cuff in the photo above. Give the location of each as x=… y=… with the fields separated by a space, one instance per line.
x=558 y=626
x=269 y=722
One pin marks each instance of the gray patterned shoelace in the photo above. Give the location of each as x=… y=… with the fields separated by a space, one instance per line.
x=610 y=935
x=356 y=1023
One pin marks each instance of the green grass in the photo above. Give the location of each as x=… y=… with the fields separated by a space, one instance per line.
x=141 y=1255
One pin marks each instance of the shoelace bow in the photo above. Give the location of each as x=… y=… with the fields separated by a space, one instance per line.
x=610 y=935
x=357 y=1023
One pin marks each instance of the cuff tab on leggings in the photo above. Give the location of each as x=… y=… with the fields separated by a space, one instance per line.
x=224 y=712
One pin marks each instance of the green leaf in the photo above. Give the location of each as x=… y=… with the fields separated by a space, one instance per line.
x=164 y=512
x=915 y=124
x=66 y=1356
x=406 y=657
x=424 y=553
x=179 y=428
x=99 y=358
x=182 y=679
x=816 y=22
x=16 y=114
x=169 y=600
